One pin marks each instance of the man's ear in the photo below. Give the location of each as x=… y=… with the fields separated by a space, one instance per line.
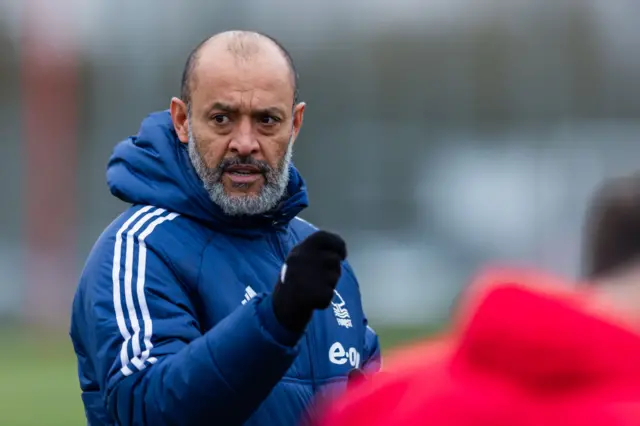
x=180 y=119
x=298 y=116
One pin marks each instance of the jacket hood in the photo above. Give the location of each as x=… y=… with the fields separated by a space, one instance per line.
x=534 y=330
x=153 y=168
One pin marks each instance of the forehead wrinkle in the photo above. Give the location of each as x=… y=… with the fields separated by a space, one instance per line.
x=245 y=76
x=250 y=99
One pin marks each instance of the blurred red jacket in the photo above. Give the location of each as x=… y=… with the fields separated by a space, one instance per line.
x=525 y=350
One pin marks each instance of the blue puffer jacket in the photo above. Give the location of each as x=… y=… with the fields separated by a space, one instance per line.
x=172 y=321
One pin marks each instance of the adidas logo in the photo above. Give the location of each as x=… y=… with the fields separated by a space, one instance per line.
x=249 y=294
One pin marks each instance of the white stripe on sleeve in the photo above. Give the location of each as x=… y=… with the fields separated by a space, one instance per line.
x=142 y=266
x=115 y=275
x=128 y=291
x=138 y=229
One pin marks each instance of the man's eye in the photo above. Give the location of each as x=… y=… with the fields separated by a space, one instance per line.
x=268 y=120
x=220 y=119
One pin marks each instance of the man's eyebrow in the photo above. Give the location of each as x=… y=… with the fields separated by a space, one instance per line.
x=269 y=111
x=260 y=112
x=220 y=106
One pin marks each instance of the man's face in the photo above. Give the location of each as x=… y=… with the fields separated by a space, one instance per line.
x=241 y=125
x=255 y=188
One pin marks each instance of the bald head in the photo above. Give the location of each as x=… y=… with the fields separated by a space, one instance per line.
x=242 y=46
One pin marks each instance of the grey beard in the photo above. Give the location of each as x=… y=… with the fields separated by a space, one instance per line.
x=273 y=189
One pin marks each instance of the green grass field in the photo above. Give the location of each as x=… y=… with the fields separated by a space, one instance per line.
x=38 y=382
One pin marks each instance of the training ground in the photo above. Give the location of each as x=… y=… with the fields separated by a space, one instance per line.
x=38 y=381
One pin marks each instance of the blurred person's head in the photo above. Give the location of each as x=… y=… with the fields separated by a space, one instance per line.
x=239 y=115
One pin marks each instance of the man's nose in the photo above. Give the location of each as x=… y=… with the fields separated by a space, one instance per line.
x=244 y=141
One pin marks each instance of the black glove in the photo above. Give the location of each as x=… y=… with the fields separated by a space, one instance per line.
x=308 y=278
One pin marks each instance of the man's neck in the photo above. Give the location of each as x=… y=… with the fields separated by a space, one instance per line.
x=622 y=289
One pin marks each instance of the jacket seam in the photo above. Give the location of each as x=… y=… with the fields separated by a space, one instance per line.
x=204 y=248
x=222 y=377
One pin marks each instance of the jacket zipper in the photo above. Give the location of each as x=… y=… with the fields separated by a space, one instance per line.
x=308 y=332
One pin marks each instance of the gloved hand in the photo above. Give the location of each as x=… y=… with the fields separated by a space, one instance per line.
x=308 y=278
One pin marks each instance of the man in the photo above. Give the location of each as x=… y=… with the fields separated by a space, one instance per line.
x=205 y=302
x=526 y=348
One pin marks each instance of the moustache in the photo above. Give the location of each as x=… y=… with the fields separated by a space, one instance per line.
x=262 y=166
